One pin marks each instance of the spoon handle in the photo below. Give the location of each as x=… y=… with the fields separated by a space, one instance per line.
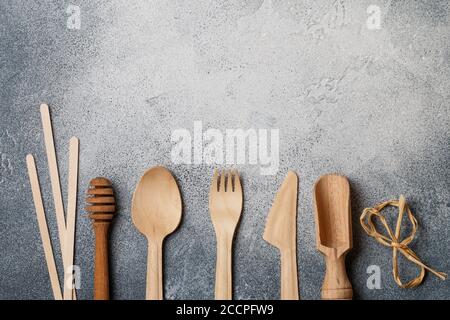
x=154 y=271
x=336 y=285
x=223 y=289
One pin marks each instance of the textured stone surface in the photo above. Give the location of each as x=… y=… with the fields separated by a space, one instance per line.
x=370 y=104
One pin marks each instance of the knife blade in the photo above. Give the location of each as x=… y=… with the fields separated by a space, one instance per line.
x=280 y=231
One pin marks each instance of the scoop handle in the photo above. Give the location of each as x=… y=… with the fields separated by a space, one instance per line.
x=336 y=285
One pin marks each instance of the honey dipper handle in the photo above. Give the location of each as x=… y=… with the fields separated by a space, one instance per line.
x=101 y=273
x=336 y=285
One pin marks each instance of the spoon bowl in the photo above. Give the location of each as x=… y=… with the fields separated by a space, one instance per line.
x=156 y=207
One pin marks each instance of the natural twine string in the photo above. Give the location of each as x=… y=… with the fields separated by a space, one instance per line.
x=393 y=240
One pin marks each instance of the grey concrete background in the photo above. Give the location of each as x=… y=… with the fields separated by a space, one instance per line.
x=370 y=104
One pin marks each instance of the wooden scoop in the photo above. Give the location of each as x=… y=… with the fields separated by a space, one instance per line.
x=156 y=213
x=334 y=233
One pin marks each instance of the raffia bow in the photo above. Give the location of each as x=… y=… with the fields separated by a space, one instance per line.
x=393 y=240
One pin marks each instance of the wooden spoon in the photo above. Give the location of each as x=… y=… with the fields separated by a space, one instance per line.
x=334 y=233
x=156 y=213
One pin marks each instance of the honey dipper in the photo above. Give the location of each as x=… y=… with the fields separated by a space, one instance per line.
x=101 y=206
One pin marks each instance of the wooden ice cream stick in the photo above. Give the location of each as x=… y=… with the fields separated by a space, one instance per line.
x=43 y=229
x=54 y=177
x=71 y=214
x=55 y=183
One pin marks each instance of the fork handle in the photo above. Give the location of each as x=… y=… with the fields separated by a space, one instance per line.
x=224 y=290
x=154 y=271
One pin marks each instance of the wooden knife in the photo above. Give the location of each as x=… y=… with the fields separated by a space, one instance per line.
x=281 y=232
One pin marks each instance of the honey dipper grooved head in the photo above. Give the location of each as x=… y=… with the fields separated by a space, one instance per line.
x=100 y=200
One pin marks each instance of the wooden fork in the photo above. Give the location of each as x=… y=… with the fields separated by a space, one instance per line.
x=225 y=206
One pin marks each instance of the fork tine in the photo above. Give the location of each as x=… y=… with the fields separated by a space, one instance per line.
x=222 y=181
x=214 y=183
x=237 y=181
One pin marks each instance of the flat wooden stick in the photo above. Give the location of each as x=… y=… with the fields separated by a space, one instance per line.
x=71 y=214
x=43 y=229
x=54 y=177
x=55 y=182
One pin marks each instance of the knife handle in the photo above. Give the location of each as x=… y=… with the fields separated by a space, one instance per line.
x=336 y=285
x=289 y=280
